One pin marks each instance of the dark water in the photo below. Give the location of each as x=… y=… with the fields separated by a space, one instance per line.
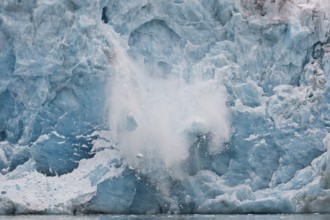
x=171 y=217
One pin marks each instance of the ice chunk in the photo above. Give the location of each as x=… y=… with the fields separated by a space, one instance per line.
x=139 y=155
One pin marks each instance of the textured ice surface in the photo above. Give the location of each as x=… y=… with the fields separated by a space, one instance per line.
x=166 y=217
x=181 y=106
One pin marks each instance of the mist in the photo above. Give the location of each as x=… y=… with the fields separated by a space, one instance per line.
x=153 y=117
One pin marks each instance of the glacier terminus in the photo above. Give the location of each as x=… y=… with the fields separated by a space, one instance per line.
x=164 y=106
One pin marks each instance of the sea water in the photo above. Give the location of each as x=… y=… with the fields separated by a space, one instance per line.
x=171 y=217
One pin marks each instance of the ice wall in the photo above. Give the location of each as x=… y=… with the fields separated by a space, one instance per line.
x=183 y=106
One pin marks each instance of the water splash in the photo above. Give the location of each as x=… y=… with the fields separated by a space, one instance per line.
x=153 y=117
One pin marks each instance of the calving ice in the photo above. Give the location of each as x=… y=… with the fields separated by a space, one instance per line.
x=162 y=113
x=181 y=106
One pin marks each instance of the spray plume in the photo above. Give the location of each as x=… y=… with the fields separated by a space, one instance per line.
x=152 y=117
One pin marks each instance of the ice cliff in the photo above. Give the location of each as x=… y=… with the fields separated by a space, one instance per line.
x=157 y=106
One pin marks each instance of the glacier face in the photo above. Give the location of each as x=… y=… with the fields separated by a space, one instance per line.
x=181 y=106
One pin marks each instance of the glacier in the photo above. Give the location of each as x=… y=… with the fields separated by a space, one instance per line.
x=154 y=107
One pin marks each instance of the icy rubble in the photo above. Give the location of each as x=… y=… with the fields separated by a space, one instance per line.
x=59 y=58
